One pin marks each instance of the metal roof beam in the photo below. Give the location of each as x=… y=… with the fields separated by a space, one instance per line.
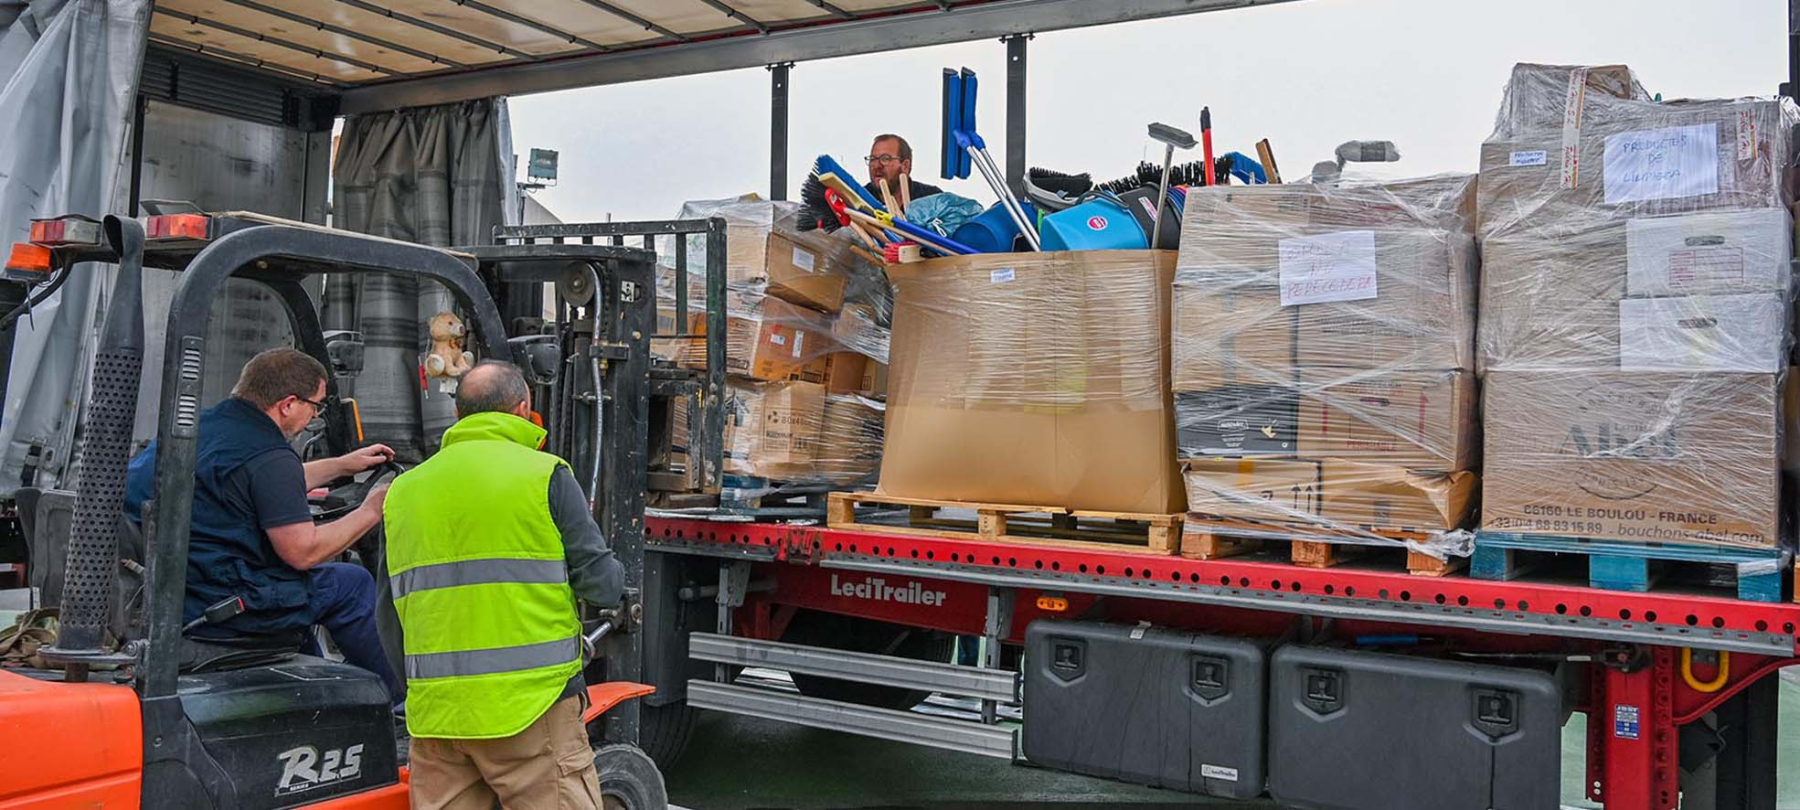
x=833 y=10
x=292 y=46
x=928 y=26
x=636 y=20
x=760 y=26
x=438 y=29
x=239 y=58
x=533 y=24
x=352 y=33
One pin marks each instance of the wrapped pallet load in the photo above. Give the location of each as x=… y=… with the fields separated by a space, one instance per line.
x=1635 y=311
x=1323 y=359
x=1035 y=379
x=806 y=335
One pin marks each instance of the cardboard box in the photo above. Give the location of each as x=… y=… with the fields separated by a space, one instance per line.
x=1267 y=490
x=858 y=329
x=874 y=379
x=1745 y=332
x=1375 y=276
x=1709 y=254
x=850 y=440
x=665 y=325
x=1386 y=497
x=843 y=372
x=1548 y=306
x=1410 y=420
x=772 y=429
x=1033 y=378
x=1624 y=456
x=1329 y=495
x=1238 y=420
x=807 y=271
x=766 y=339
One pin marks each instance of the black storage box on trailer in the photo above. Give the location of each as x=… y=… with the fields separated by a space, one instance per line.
x=1355 y=730
x=1158 y=707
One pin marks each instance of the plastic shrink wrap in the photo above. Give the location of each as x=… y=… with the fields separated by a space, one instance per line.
x=1323 y=360
x=1635 y=311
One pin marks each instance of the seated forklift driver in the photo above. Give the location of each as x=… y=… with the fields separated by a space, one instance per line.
x=253 y=535
x=489 y=542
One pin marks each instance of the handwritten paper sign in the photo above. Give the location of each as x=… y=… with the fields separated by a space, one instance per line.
x=1327 y=267
x=1656 y=164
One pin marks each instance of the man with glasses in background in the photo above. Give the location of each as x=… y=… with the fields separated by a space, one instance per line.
x=890 y=157
x=253 y=535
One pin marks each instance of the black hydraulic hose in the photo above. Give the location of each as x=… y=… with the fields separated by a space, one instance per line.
x=38 y=298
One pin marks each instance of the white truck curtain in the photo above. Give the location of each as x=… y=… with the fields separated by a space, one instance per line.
x=437 y=176
x=70 y=73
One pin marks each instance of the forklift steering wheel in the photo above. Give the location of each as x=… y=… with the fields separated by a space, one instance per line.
x=356 y=493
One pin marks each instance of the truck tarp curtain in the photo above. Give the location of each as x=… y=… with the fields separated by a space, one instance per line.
x=433 y=175
x=70 y=69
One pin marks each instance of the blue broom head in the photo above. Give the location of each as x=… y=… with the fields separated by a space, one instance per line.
x=826 y=165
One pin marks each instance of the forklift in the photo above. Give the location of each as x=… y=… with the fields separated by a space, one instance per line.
x=127 y=709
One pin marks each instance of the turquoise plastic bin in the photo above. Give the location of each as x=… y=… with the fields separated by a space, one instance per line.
x=1102 y=223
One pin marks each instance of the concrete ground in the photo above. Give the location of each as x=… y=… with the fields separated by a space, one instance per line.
x=740 y=763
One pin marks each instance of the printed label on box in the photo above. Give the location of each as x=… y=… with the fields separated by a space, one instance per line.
x=799 y=339
x=1218 y=772
x=1328 y=267
x=1532 y=157
x=1001 y=275
x=778 y=339
x=1656 y=164
x=803 y=259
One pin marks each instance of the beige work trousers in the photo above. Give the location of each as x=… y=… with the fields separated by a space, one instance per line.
x=548 y=765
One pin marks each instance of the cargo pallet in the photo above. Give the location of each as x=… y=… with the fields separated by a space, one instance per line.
x=1757 y=575
x=1212 y=537
x=1128 y=532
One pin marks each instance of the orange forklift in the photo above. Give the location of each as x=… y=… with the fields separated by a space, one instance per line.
x=129 y=711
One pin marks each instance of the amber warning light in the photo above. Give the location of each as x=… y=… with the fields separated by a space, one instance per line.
x=177 y=226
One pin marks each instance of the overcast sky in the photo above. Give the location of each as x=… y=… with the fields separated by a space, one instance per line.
x=1308 y=75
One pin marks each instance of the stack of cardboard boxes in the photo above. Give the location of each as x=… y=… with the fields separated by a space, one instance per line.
x=1635 y=306
x=1323 y=353
x=804 y=340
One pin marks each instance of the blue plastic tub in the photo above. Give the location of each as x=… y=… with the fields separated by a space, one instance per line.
x=1102 y=223
x=993 y=230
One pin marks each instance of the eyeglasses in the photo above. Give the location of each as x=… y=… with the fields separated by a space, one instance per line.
x=882 y=159
x=318 y=407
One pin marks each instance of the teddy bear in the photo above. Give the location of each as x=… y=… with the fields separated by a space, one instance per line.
x=447 y=358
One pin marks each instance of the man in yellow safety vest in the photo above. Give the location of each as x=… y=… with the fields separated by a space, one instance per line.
x=489 y=543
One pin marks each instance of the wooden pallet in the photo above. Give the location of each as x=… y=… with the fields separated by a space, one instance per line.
x=1758 y=574
x=1210 y=537
x=1130 y=532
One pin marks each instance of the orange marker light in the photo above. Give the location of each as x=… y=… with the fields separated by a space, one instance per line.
x=29 y=257
x=70 y=231
x=177 y=226
x=1053 y=604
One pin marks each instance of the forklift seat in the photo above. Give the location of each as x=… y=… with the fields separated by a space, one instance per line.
x=219 y=653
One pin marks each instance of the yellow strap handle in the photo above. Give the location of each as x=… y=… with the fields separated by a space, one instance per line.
x=1708 y=687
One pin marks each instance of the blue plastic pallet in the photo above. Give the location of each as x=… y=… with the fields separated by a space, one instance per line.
x=1619 y=566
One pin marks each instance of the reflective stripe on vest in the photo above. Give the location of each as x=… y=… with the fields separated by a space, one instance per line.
x=478 y=572
x=493 y=661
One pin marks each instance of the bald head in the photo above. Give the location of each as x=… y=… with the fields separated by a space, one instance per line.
x=493 y=387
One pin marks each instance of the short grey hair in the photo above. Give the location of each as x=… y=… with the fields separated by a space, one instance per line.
x=491 y=387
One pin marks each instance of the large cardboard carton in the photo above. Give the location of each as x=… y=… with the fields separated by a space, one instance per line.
x=1383 y=497
x=1634 y=456
x=1035 y=378
x=1374 y=276
x=766 y=339
x=1260 y=489
x=807 y=271
x=843 y=372
x=1328 y=495
x=874 y=380
x=1238 y=420
x=1419 y=420
x=850 y=439
x=772 y=430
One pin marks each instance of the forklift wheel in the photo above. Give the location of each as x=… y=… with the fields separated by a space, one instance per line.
x=629 y=780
